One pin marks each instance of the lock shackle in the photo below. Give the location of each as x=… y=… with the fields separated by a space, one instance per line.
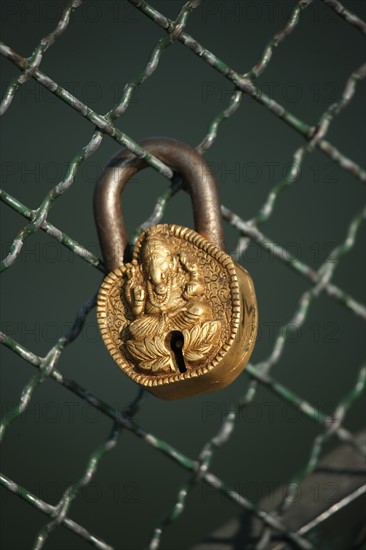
x=184 y=160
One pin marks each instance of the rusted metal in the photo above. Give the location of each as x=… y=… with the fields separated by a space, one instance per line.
x=184 y=160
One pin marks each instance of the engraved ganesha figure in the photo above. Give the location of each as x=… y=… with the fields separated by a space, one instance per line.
x=171 y=326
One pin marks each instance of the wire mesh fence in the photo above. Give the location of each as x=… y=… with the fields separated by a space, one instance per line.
x=319 y=279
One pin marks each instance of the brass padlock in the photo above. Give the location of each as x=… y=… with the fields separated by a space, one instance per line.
x=180 y=318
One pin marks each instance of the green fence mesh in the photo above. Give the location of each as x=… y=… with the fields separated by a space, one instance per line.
x=248 y=231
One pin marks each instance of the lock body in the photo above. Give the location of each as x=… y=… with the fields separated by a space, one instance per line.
x=181 y=318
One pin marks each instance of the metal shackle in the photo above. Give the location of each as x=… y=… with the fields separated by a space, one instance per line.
x=185 y=161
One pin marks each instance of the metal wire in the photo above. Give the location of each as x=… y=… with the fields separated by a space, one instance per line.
x=248 y=231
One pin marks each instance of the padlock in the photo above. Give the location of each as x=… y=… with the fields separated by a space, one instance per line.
x=179 y=317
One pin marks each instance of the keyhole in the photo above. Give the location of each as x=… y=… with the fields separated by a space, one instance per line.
x=176 y=345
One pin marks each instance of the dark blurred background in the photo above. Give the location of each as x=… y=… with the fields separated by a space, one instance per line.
x=107 y=44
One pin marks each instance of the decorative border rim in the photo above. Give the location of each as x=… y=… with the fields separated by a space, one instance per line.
x=210 y=248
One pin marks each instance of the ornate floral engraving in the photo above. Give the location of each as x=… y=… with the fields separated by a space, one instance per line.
x=198 y=340
x=170 y=311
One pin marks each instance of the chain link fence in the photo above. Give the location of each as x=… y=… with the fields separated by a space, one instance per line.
x=319 y=280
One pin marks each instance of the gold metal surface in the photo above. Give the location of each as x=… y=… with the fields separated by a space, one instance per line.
x=181 y=318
